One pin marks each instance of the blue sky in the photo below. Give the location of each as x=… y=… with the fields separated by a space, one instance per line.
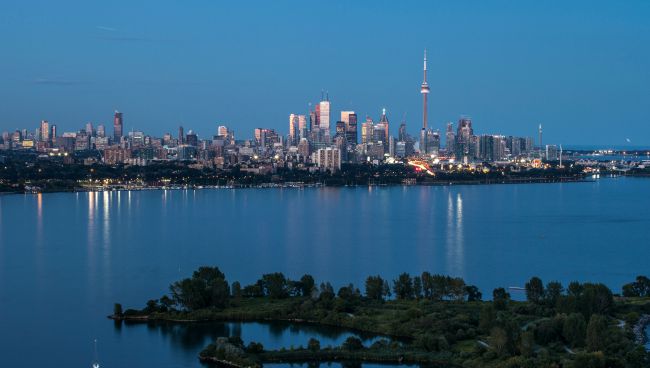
x=580 y=68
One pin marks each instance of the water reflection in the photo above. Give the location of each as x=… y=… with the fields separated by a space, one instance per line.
x=273 y=335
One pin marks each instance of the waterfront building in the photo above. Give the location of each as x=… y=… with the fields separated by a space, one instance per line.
x=551 y=153
x=350 y=120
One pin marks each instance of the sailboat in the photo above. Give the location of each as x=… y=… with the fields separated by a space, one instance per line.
x=95 y=358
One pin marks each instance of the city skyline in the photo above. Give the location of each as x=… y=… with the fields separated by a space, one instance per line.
x=579 y=72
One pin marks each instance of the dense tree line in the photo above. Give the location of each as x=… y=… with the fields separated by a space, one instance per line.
x=436 y=313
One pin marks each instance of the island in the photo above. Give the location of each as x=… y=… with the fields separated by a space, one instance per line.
x=426 y=319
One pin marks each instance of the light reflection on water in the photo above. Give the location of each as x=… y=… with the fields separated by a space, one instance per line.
x=72 y=255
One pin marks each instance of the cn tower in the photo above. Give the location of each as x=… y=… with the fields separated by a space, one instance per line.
x=425 y=92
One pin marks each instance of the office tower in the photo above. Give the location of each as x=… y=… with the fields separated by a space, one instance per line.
x=293 y=129
x=424 y=90
x=222 y=131
x=391 y=146
x=313 y=118
x=401 y=133
x=304 y=149
x=464 y=139
x=302 y=126
x=340 y=129
x=118 y=126
x=450 y=138
x=101 y=131
x=350 y=120
x=44 y=131
x=540 y=137
x=181 y=135
x=191 y=139
x=367 y=130
x=324 y=118
x=432 y=142
x=53 y=133
x=384 y=121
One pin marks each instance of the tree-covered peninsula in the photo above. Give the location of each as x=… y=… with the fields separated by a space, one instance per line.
x=425 y=319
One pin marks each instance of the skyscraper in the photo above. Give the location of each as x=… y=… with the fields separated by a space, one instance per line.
x=324 y=118
x=302 y=126
x=118 y=126
x=367 y=130
x=44 y=131
x=222 y=131
x=450 y=138
x=181 y=135
x=464 y=136
x=350 y=120
x=293 y=129
x=384 y=120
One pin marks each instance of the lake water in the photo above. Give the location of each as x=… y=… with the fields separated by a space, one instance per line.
x=66 y=258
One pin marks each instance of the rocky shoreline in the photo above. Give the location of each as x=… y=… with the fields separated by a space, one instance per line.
x=639 y=329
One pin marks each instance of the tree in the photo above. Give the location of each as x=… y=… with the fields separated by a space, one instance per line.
x=638 y=288
x=375 y=288
x=596 y=332
x=595 y=298
x=352 y=343
x=307 y=284
x=417 y=287
x=326 y=291
x=473 y=293
x=427 y=284
x=274 y=285
x=117 y=309
x=387 y=292
x=499 y=340
x=206 y=288
x=403 y=286
x=500 y=298
x=534 y=290
x=553 y=293
x=574 y=289
x=236 y=289
x=574 y=329
x=527 y=343
x=456 y=288
x=313 y=344
x=487 y=318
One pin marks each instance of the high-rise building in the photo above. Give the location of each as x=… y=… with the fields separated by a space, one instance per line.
x=222 y=131
x=350 y=120
x=384 y=121
x=53 y=133
x=450 y=138
x=44 y=131
x=302 y=126
x=118 y=126
x=324 y=118
x=340 y=129
x=293 y=129
x=191 y=139
x=367 y=130
x=101 y=131
x=464 y=139
x=401 y=134
x=90 y=131
x=328 y=159
x=181 y=135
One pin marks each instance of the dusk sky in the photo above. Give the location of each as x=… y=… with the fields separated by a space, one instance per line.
x=579 y=68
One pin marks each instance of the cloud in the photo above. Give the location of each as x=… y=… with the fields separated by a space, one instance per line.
x=57 y=82
x=107 y=29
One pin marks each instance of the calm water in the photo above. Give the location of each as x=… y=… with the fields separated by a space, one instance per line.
x=66 y=258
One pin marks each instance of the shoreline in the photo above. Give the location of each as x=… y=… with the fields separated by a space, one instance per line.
x=300 y=185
